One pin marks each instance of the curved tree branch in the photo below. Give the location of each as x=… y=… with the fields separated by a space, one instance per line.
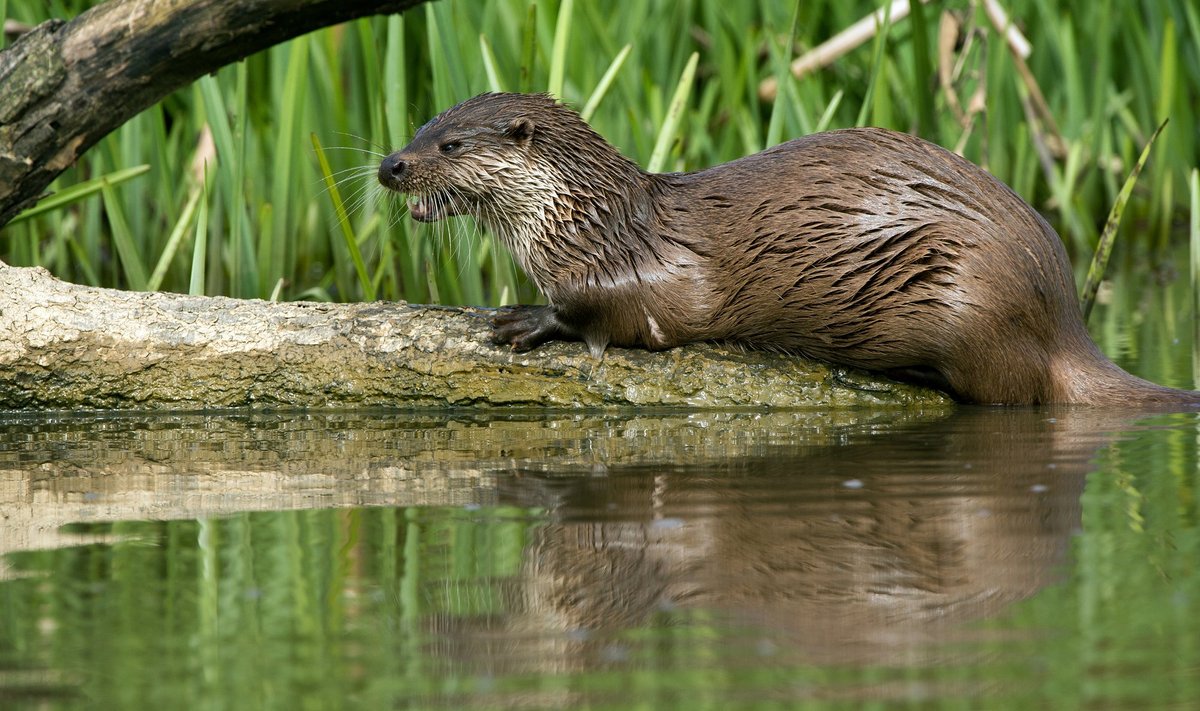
x=65 y=85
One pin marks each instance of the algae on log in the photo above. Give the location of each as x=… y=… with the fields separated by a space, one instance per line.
x=68 y=346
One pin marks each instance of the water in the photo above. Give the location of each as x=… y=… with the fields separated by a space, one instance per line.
x=736 y=560
x=950 y=558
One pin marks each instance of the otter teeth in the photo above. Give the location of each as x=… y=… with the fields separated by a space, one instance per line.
x=424 y=208
x=418 y=208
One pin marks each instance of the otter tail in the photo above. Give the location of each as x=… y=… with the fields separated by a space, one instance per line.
x=1098 y=381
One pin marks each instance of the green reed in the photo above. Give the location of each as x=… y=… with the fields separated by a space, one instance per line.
x=1110 y=71
x=1194 y=246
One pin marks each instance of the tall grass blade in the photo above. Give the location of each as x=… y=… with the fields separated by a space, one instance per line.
x=1064 y=187
x=364 y=278
x=489 y=64
x=881 y=39
x=783 y=77
x=229 y=140
x=83 y=260
x=1108 y=236
x=395 y=90
x=605 y=82
x=131 y=260
x=923 y=93
x=1168 y=86
x=371 y=78
x=449 y=63
x=558 y=55
x=666 y=135
x=243 y=274
x=198 y=278
x=1194 y=237
x=827 y=116
x=78 y=192
x=431 y=281
x=528 y=47
x=228 y=156
x=290 y=113
x=168 y=253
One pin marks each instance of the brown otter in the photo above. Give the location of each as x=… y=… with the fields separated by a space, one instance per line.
x=859 y=247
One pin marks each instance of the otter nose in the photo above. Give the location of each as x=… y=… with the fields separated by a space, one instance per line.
x=392 y=169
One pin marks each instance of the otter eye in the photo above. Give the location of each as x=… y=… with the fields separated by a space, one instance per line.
x=449 y=146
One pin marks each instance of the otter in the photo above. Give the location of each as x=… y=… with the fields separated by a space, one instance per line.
x=860 y=247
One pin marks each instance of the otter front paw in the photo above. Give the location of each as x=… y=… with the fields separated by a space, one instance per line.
x=525 y=327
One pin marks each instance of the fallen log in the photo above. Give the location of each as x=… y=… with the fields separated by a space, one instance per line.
x=65 y=346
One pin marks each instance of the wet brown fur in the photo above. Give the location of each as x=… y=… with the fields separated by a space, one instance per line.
x=860 y=247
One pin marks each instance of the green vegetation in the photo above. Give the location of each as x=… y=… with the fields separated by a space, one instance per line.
x=237 y=200
x=255 y=601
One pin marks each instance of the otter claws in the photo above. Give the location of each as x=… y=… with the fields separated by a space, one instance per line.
x=525 y=327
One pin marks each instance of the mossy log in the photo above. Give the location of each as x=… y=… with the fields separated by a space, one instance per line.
x=65 y=346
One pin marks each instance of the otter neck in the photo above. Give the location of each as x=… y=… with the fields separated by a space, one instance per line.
x=587 y=222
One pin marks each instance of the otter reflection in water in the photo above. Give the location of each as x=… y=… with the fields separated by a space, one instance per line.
x=862 y=247
x=847 y=552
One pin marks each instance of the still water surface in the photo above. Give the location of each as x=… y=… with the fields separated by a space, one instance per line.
x=950 y=558
x=1008 y=557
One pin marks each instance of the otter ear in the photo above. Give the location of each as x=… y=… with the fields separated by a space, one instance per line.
x=520 y=129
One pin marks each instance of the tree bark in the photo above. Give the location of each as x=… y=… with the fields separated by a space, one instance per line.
x=65 y=85
x=64 y=346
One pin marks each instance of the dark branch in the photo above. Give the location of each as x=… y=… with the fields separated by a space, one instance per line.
x=65 y=85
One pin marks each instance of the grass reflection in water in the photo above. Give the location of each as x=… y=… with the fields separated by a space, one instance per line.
x=333 y=561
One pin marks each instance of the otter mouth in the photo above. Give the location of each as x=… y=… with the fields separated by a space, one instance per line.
x=433 y=207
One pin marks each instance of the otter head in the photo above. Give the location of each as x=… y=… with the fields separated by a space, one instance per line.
x=528 y=167
x=463 y=160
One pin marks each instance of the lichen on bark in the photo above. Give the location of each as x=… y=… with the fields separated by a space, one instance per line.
x=75 y=347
